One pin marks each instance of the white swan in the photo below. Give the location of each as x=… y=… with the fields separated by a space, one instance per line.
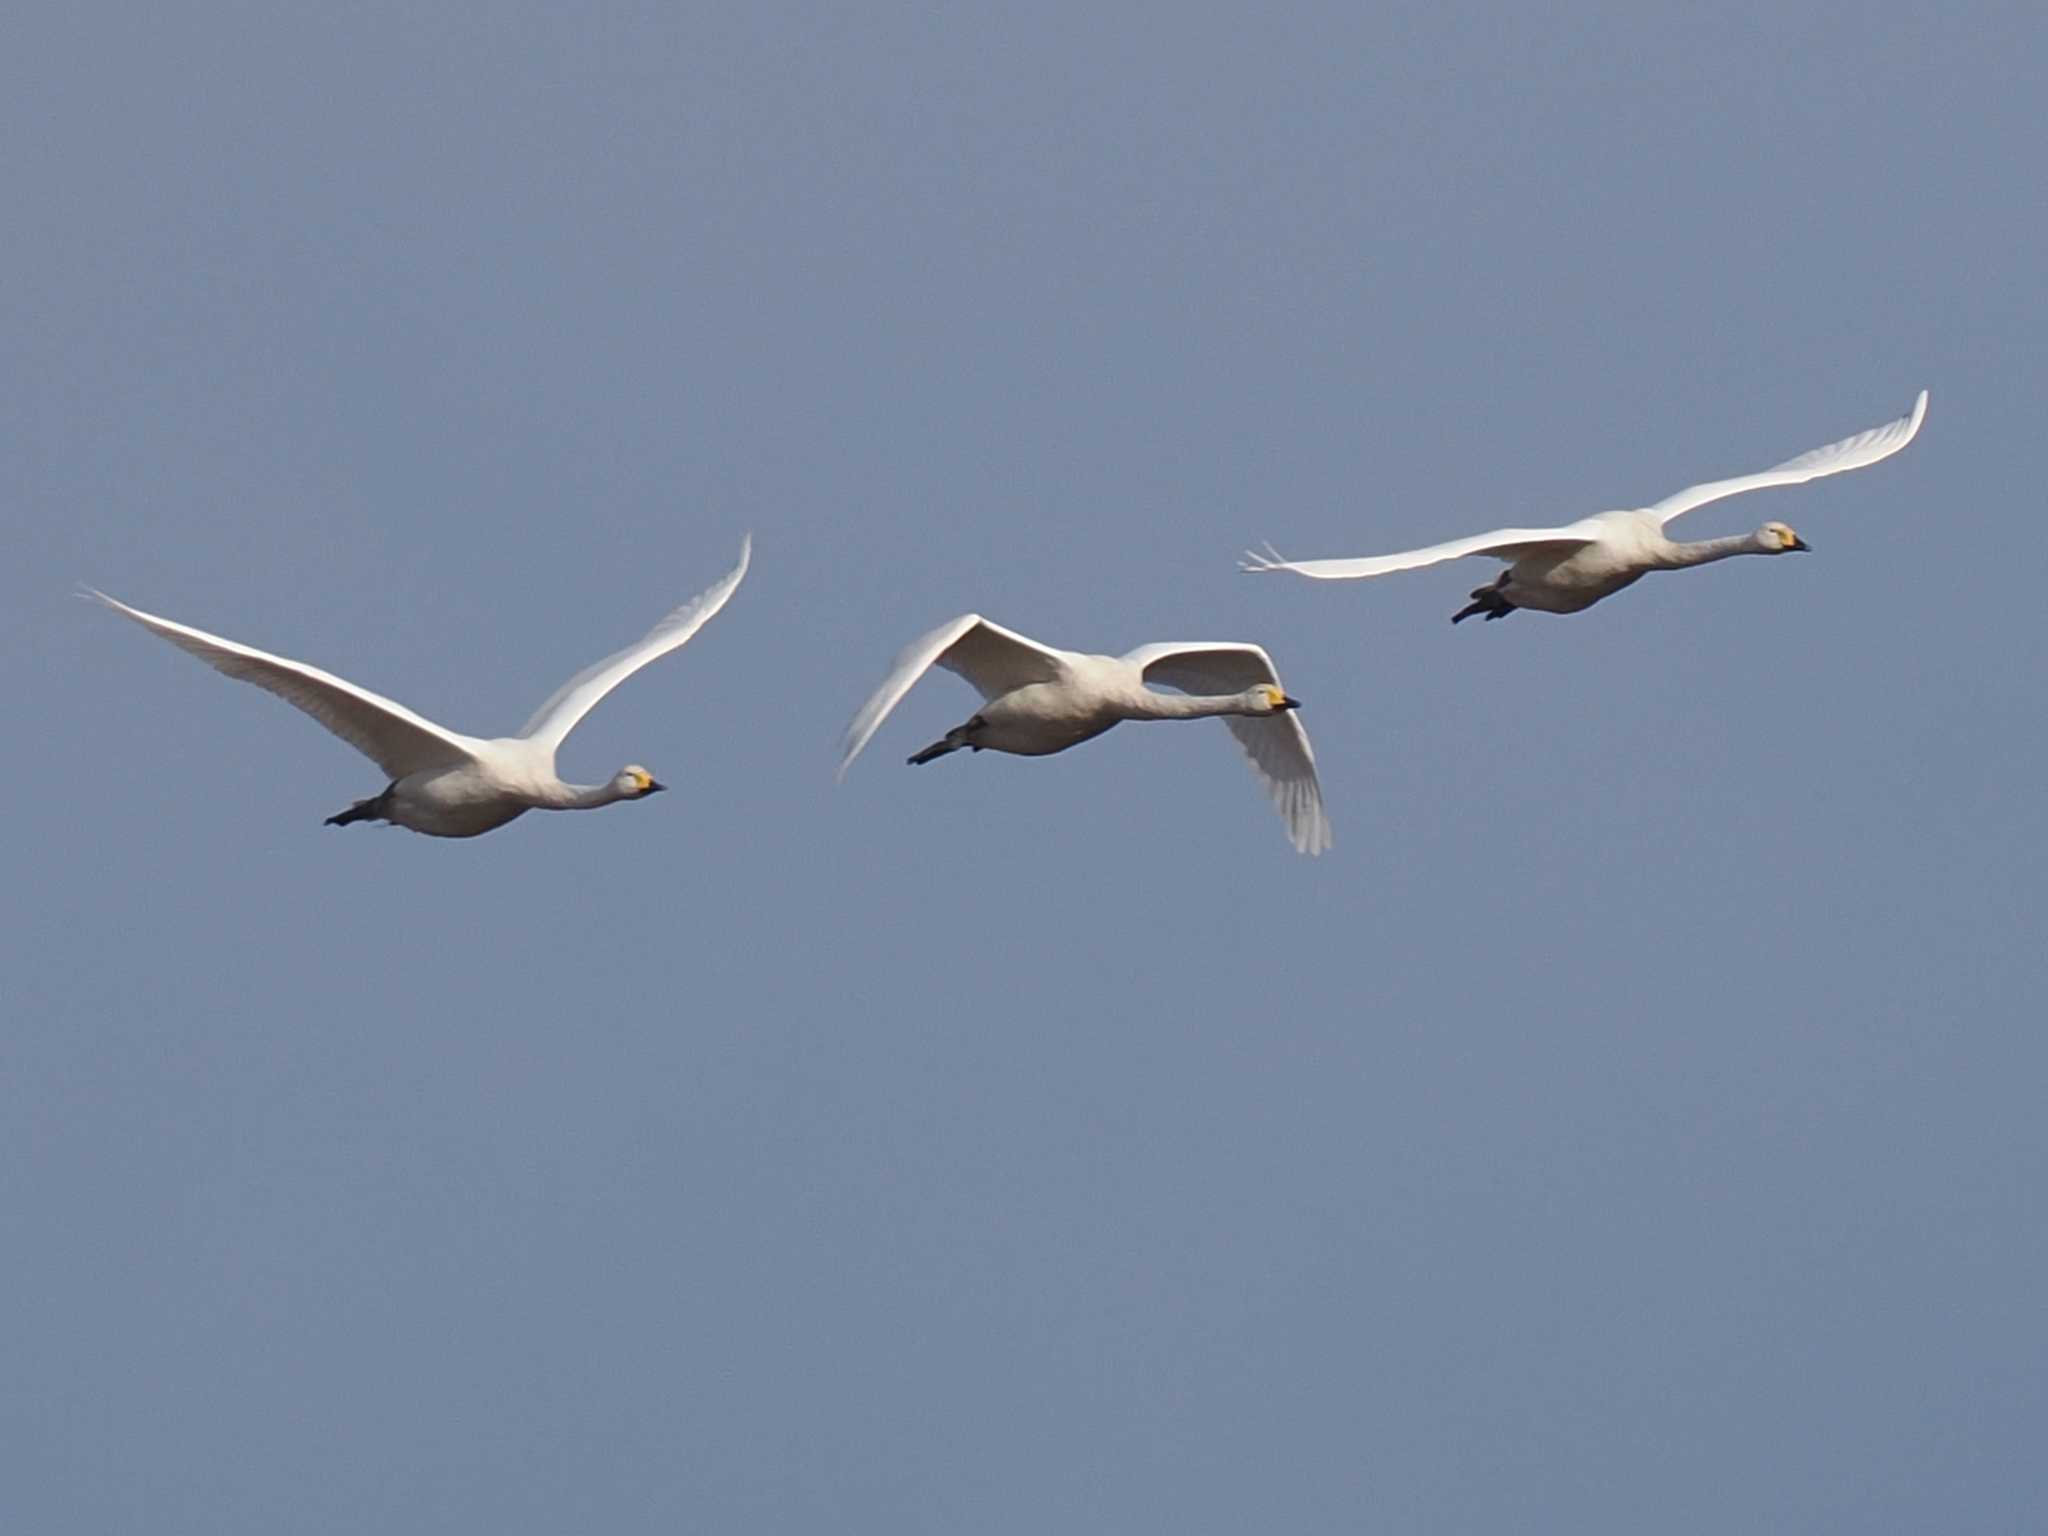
x=1039 y=700
x=1562 y=570
x=443 y=783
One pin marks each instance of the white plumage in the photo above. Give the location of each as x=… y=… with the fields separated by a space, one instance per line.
x=1039 y=700
x=444 y=783
x=1565 y=569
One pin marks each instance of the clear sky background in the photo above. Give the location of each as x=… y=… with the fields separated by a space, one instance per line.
x=1635 y=1121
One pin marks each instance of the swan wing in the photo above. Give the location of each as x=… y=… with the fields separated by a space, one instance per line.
x=1503 y=544
x=994 y=659
x=1277 y=745
x=1850 y=453
x=390 y=735
x=569 y=703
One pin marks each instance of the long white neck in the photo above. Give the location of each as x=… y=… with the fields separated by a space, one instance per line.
x=581 y=797
x=1676 y=555
x=1148 y=705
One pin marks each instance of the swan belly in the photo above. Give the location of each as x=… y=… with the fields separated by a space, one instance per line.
x=1568 y=584
x=453 y=802
x=1040 y=718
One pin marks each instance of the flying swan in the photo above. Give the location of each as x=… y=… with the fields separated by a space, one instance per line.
x=1561 y=570
x=1038 y=700
x=443 y=783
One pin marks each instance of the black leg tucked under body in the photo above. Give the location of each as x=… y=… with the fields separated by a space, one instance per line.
x=1487 y=600
x=952 y=741
x=376 y=808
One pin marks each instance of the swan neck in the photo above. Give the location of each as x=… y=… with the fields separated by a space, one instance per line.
x=582 y=797
x=1708 y=550
x=1187 y=706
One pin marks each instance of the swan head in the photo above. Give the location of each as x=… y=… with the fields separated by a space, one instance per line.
x=632 y=782
x=1779 y=539
x=1271 y=699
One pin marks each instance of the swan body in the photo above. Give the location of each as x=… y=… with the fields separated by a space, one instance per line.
x=1566 y=569
x=444 y=783
x=1038 y=700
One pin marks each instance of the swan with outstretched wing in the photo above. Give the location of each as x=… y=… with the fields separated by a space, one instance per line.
x=1562 y=570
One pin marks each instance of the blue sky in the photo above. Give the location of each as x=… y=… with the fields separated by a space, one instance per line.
x=1634 y=1119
